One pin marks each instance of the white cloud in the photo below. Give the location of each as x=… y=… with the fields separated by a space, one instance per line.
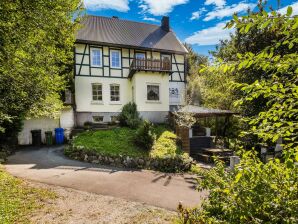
x=197 y=14
x=228 y=10
x=218 y=3
x=160 y=7
x=294 y=6
x=119 y=5
x=210 y=36
x=150 y=19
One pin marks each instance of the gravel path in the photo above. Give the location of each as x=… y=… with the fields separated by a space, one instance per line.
x=73 y=206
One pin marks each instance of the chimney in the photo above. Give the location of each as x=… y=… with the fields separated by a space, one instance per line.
x=165 y=23
x=115 y=17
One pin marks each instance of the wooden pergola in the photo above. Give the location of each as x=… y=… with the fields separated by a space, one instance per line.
x=203 y=112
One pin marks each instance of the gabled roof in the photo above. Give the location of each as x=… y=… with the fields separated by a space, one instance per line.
x=114 y=31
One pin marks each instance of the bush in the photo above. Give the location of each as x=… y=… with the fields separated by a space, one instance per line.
x=145 y=136
x=166 y=145
x=129 y=116
x=253 y=192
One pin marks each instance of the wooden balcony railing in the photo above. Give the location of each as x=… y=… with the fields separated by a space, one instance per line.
x=152 y=65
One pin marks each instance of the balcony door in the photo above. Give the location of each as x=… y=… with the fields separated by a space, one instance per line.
x=166 y=61
x=140 y=60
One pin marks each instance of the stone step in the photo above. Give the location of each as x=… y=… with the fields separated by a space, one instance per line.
x=202 y=157
x=217 y=152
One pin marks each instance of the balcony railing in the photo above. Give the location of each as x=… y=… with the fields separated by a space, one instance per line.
x=151 y=65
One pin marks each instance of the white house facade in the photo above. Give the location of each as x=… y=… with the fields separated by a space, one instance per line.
x=119 y=61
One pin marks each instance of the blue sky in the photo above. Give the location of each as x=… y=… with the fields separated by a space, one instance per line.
x=198 y=22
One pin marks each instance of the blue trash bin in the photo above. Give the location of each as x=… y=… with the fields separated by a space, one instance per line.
x=59 y=136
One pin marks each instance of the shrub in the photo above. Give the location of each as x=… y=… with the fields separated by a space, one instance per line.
x=253 y=192
x=166 y=145
x=129 y=116
x=145 y=136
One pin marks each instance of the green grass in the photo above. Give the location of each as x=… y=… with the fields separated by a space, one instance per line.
x=114 y=142
x=17 y=199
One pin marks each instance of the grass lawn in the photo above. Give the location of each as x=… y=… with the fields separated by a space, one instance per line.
x=114 y=142
x=17 y=199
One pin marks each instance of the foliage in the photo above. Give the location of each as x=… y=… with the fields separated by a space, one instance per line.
x=111 y=142
x=36 y=58
x=165 y=146
x=215 y=88
x=260 y=64
x=145 y=136
x=184 y=119
x=279 y=61
x=194 y=62
x=253 y=192
x=17 y=199
x=129 y=116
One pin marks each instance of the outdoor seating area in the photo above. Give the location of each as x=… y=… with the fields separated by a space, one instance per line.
x=202 y=141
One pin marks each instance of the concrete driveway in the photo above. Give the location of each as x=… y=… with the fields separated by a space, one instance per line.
x=50 y=166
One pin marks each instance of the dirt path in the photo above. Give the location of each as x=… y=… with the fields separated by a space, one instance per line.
x=73 y=206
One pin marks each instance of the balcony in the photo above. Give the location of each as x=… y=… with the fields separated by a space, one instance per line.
x=150 y=65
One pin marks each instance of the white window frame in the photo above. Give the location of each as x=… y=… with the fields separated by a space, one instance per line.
x=114 y=101
x=91 y=55
x=111 y=58
x=96 y=101
x=159 y=93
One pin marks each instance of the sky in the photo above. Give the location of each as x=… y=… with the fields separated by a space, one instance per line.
x=197 y=22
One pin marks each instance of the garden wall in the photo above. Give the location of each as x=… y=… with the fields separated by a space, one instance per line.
x=66 y=121
x=179 y=163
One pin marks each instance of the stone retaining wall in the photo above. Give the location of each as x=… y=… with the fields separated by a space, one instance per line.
x=180 y=163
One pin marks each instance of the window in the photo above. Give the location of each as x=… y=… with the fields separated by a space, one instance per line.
x=115 y=59
x=115 y=92
x=96 y=92
x=96 y=56
x=97 y=119
x=153 y=92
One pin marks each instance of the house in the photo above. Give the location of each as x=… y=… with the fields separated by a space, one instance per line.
x=119 y=61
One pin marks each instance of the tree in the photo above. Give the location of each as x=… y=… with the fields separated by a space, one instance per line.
x=257 y=192
x=36 y=58
x=194 y=63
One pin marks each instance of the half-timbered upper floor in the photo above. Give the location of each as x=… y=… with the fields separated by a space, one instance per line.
x=123 y=62
x=112 y=47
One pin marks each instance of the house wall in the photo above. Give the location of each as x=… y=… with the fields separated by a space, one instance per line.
x=83 y=94
x=151 y=110
x=46 y=124
x=130 y=89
